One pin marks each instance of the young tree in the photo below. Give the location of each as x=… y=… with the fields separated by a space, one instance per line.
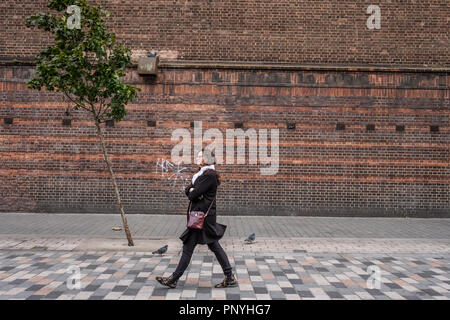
x=85 y=63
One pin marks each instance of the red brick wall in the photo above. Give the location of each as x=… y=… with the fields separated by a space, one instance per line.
x=319 y=31
x=46 y=166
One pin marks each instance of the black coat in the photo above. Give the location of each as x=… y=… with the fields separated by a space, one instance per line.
x=204 y=192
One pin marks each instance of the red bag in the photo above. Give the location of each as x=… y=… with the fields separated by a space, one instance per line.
x=196 y=219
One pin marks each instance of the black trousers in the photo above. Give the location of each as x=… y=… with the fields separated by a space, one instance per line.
x=188 y=250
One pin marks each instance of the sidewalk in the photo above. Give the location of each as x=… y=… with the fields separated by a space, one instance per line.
x=292 y=258
x=163 y=226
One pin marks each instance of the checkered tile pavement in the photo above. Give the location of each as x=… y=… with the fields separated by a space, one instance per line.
x=30 y=274
x=293 y=258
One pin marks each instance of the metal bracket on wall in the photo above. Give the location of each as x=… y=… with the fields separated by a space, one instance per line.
x=148 y=65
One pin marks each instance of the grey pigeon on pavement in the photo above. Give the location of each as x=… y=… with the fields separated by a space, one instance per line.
x=251 y=238
x=161 y=250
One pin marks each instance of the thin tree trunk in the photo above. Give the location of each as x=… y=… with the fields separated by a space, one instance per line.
x=119 y=201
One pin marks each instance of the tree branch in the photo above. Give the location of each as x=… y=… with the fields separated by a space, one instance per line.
x=100 y=108
x=78 y=104
x=104 y=110
x=93 y=111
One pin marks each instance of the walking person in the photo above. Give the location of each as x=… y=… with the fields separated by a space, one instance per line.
x=202 y=193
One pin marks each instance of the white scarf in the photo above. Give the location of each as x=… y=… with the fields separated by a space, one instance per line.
x=200 y=172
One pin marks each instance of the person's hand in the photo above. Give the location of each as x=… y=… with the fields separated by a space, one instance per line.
x=188 y=189
x=200 y=197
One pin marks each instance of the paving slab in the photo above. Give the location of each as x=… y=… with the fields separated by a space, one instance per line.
x=170 y=226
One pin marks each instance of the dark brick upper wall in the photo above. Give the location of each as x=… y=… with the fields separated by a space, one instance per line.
x=312 y=32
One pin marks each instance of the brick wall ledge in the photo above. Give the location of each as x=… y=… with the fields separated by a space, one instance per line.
x=198 y=64
x=211 y=64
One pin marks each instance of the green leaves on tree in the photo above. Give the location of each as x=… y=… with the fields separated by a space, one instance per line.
x=84 y=64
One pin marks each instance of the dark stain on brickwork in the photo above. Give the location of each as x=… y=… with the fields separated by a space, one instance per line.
x=304 y=78
x=216 y=77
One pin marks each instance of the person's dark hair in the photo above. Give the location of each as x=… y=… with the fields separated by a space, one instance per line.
x=210 y=158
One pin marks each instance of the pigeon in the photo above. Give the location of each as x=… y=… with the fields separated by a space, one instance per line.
x=161 y=250
x=250 y=239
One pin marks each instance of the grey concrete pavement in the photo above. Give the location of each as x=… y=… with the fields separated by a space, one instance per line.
x=163 y=226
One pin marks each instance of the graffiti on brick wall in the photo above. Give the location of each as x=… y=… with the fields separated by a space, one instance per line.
x=176 y=175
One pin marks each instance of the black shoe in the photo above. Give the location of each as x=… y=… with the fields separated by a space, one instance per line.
x=167 y=281
x=227 y=282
